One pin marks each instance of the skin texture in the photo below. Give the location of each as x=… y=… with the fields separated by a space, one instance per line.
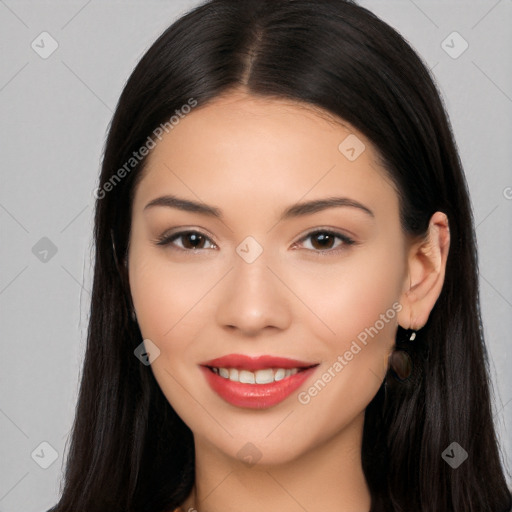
x=253 y=157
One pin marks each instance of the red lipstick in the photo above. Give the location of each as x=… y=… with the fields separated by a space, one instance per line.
x=266 y=380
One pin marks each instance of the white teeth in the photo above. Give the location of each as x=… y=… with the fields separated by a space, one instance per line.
x=246 y=377
x=265 y=376
x=280 y=374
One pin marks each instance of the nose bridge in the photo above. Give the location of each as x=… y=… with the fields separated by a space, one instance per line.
x=252 y=298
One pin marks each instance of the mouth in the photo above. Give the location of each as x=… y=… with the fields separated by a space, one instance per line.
x=255 y=382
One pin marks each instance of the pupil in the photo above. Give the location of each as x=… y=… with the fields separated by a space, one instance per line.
x=324 y=239
x=194 y=237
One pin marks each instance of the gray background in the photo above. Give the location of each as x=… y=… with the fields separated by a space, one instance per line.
x=54 y=116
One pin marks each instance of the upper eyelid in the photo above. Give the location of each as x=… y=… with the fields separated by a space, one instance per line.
x=182 y=231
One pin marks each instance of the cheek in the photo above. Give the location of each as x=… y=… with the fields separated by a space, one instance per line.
x=154 y=297
x=359 y=303
x=348 y=297
x=171 y=312
x=166 y=295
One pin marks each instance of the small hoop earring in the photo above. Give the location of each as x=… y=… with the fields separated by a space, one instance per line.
x=134 y=316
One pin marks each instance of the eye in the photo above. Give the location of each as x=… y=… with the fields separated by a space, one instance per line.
x=190 y=240
x=324 y=241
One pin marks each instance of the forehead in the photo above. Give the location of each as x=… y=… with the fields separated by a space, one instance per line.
x=263 y=147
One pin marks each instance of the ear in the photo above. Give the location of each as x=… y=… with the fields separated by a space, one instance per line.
x=425 y=275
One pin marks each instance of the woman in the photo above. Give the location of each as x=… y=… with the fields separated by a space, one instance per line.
x=285 y=303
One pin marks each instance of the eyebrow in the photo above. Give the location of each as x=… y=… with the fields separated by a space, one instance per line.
x=296 y=210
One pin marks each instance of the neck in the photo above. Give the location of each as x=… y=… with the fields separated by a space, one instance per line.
x=328 y=478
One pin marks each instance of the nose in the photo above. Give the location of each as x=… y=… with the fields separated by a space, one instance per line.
x=253 y=298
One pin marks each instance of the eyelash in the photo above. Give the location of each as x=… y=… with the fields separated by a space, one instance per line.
x=166 y=240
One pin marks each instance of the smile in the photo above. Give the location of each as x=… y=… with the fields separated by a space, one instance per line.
x=255 y=382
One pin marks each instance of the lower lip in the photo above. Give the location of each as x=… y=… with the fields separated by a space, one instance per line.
x=255 y=396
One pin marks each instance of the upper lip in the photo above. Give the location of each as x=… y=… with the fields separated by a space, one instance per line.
x=253 y=363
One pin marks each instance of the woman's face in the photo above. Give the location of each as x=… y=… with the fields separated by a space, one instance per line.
x=264 y=276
